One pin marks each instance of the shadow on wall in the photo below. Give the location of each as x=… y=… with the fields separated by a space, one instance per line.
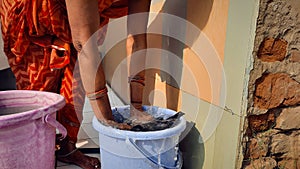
x=196 y=12
x=192 y=147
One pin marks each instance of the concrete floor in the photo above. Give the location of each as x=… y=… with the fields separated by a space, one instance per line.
x=88 y=136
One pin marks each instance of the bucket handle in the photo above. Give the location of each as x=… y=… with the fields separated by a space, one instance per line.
x=52 y=122
x=155 y=160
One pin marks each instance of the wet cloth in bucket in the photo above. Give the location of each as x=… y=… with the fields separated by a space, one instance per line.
x=160 y=122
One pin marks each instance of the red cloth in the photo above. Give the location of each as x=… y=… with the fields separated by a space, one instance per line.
x=38 y=44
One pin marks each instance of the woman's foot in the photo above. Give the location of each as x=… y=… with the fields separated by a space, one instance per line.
x=68 y=153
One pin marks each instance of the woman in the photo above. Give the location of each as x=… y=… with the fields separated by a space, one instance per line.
x=41 y=41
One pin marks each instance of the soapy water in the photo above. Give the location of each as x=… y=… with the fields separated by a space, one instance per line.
x=161 y=119
x=14 y=110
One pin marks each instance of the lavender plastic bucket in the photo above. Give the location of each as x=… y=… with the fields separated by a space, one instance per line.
x=27 y=129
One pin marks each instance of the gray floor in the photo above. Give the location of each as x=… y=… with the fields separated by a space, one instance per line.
x=88 y=137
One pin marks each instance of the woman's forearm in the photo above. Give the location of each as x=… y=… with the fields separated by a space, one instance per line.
x=84 y=22
x=136 y=48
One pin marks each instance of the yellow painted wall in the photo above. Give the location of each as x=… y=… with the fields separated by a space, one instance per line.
x=212 y=140
x=193 y=95
x=210 y=17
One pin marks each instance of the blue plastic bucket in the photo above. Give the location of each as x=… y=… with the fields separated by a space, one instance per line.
x=136 y=150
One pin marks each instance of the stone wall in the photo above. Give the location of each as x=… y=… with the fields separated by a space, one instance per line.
x=272 y=127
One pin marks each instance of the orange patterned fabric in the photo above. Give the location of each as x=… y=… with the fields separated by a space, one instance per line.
x=38 y=44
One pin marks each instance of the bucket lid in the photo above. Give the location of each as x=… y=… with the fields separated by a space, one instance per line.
x=45 y=103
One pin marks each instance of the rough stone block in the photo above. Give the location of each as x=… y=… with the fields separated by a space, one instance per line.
x=289 y=119
x=265 y=163
x=261 y=122
x=289 y=164
x=258 y=147
x=274 y=90
x=295 y=56
x=286 y=146
x=272 y=50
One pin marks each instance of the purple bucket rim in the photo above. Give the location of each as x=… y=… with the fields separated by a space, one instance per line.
x=42 y=111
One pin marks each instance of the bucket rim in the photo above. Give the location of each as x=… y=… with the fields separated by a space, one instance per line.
x=58 y=102
x=145 y=135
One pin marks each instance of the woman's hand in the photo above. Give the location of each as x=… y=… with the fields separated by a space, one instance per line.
x=138 y=116
x=121 y=126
